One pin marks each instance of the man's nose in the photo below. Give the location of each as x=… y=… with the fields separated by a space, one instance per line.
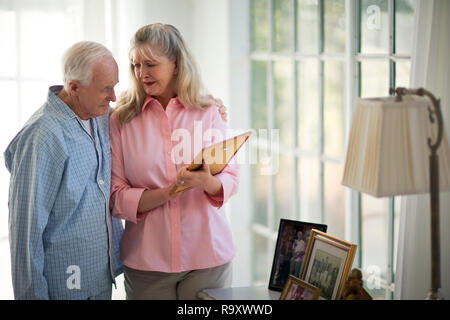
x=112 y=96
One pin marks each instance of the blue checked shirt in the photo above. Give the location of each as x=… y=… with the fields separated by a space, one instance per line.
x=64 y=243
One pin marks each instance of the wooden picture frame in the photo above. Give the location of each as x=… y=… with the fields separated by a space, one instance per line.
x=327 y=263
x=290 y=251
x=297 y=289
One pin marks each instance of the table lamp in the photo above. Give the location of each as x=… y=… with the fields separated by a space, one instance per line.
x=391 y=152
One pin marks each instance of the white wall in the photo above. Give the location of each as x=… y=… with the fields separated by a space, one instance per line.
x=221 y=48
x=130 y=15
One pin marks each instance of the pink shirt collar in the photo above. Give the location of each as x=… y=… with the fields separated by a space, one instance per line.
x=149 y=101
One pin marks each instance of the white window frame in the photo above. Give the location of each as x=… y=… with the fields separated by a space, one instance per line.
x=351 y=58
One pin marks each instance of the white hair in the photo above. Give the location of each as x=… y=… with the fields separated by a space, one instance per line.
x=79 y=59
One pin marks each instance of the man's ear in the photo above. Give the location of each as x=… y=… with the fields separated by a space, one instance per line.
x=74 y=87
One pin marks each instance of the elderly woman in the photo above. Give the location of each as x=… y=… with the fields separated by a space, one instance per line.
x=173 y=245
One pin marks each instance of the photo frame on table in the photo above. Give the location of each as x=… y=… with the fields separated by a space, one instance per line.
x=327 y=263
x=297 y=289
x=290 y=250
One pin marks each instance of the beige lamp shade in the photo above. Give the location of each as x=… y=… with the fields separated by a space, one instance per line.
x=388 y=152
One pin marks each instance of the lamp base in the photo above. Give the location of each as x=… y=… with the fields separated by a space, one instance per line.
x=434 y=295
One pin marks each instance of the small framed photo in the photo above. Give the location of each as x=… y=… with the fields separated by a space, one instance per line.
x=290 y=249
x=326 y=264
x=297 y=289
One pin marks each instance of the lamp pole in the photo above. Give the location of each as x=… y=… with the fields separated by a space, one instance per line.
x=435 y=113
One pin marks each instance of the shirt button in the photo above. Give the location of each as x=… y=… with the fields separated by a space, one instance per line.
x=101 y=182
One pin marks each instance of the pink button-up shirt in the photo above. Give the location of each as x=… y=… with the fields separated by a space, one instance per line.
x=191 y=231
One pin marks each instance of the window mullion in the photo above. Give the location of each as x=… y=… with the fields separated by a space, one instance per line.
x=391 y=209
x=352 y=212
x=391 y=10
x=295 y=204
x=321 y=44
x=18 y=64
x=270 y=126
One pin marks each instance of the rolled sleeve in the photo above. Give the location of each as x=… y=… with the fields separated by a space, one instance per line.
x=125 y=202
x=229 y=178
x=124 y=199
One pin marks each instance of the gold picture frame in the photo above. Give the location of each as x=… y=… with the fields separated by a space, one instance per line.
x=327 y=263
x=297 y=289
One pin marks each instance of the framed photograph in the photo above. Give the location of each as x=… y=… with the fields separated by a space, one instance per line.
x=297 y=289
x=326 y=264
x=290 y=249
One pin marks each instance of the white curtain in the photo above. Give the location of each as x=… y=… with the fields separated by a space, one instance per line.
x=430 y=69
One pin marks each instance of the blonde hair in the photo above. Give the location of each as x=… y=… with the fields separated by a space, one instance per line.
x=79 y=59
x=169 y=43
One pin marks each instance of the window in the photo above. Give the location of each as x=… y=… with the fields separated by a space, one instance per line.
x=33 y=34
x=309 y=60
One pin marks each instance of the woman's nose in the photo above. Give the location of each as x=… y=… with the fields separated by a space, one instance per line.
x=144 y=72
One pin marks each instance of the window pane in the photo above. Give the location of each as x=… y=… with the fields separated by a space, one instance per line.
x=397 y=205
x=374 y=239
x=9 y=124
x=334 y=195
x=259 y=95
x=259 y=25
x=307 y=26
x=260 y=183
x=4 y=192
x=261 y=257
x=334 y=120
x=374 y=79
x=284 y=100
x=284 y=189
x=403 y=69
x=33 y=95
x=308 y=185
x=308 y=105
x=9 y=121
x=334 y=26
x=38 y=33
x=8 y=52
x=283 y=26
x=404 y=25
x=374 y=26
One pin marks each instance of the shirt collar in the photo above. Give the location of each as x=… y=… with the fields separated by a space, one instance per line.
x=150 y=101
x=60 y=107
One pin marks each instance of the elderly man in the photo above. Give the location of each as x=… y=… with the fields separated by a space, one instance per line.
x=64 y=243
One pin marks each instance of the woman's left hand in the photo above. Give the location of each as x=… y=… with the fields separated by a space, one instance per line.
x=196 y=178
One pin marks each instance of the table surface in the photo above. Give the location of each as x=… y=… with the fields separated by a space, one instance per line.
x=240 y=293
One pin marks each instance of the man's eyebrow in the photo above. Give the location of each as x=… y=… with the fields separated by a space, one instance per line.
x=110 y=86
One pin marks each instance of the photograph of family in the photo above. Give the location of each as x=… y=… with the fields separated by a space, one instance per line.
x=324 y=272
x=290 y=249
